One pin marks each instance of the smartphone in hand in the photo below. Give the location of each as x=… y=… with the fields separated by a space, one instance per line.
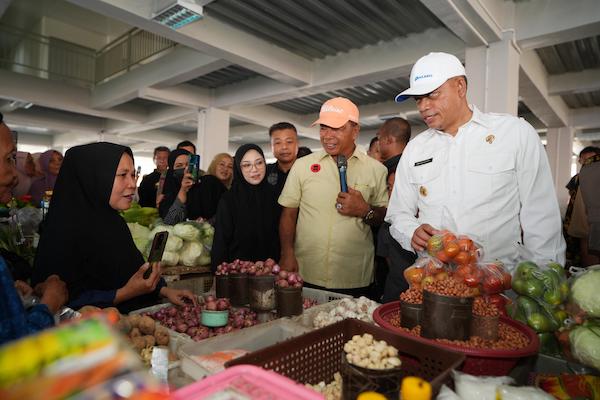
x=194 y=166
x=156 y=251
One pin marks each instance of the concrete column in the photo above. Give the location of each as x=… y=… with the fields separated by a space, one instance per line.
x=559 y=148
x=493 y=74
x=213 y=134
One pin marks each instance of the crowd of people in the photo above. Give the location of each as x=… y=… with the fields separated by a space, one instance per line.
x=482 y=174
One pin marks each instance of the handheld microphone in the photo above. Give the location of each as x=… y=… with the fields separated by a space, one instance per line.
x=342 y=165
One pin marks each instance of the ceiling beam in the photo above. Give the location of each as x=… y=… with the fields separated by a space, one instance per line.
x=585 y=118
x=533 y=89
x=55 y=121
x=214 y=38
x=159 y=117
x=386 y=60
x=584 y=81
x=179 y=65
x=541 y=23
x=159 y=137
x=183 y=95
x=61 y=96
x=266 y=116
x=469 y=20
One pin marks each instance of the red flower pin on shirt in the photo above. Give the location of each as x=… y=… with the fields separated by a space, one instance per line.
x=315 y=168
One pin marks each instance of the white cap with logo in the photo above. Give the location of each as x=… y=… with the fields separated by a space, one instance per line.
x=430 y=72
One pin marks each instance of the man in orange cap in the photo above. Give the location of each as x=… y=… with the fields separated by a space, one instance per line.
x=326 y=233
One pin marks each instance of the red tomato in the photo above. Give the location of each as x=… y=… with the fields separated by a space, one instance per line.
x=462 y=258
x=471 y=280
x=506 y=280
x=465 y=244
x=493 y=284
x=499 y=301
x=452 y=249
x=442 y=256
x=448 y=238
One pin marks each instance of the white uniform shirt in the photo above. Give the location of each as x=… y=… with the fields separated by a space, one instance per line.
x=489 y=181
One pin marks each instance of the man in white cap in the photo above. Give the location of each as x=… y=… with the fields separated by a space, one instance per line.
x=482 y=174
x=326 y=233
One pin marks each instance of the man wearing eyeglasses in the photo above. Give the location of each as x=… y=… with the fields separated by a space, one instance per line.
x=326 y=233
x=483 y=174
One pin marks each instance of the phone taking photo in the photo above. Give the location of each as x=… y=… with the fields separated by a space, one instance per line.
x=156 y=251
x=194 y=166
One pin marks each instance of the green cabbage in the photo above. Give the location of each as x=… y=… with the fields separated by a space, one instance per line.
x=140 y=236
x=169 y=259
x=585 y=343
x=187 y=231
x=190 y=253
x=174 y=244
x=584 y=292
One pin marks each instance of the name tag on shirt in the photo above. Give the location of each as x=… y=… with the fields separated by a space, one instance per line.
x=419 y=163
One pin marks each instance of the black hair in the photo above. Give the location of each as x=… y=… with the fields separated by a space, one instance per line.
x=398 y=128
x=1 y=118
x=280 y=126
x=590 y=149
x=186 y=143
x=303 y=151
x=373 y=141
x=161 y=148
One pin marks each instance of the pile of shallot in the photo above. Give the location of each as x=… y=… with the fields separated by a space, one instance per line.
x=286 y=279
x=258 y=268
x=211 y=303
x=186 y=319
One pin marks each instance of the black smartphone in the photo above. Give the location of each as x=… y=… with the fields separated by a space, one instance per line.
x=194 y=166
x=156 y=251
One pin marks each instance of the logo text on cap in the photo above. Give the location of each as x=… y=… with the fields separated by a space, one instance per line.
x=330 y=108
x=423 y=76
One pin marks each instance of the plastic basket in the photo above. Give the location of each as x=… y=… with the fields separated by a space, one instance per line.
x=197 y=284
x=249 y=382
x=322 y=296
x=249 y=339
x=478 y=362
x=316 y=356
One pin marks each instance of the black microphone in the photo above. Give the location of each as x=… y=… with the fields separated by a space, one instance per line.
x=342 y=165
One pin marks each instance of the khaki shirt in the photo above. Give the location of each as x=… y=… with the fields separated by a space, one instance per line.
x=333 y=250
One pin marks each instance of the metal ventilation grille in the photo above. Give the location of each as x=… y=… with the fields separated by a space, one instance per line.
x=177 y=16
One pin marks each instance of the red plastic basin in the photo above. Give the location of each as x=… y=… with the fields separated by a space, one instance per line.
x=478 y=362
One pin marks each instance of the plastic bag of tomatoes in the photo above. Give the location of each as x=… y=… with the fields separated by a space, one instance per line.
x=485 y=278
x=425 y=269
x=454 y=249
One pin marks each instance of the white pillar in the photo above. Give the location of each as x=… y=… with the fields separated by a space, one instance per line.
x=213 y=134
x=493 y=75
x=559 y=148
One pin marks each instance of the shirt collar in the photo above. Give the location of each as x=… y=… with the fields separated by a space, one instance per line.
x=479 y=117
x=357 y=153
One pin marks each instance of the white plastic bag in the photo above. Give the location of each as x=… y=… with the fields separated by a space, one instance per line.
x=469 y=387
x=522 y=393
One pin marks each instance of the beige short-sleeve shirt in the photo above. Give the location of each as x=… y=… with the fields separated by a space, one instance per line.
x=333 y=250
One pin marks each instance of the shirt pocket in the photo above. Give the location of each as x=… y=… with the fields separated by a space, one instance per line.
x=428 y=182
x=490 y=175
x=367 y=190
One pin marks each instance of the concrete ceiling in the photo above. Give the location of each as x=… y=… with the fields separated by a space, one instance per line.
x=266 y=61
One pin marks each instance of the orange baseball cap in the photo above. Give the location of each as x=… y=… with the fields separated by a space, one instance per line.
x=336 y=112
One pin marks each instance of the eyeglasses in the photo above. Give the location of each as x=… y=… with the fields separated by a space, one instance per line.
x=247 y=166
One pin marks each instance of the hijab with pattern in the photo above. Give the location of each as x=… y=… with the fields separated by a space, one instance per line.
x=85 y=241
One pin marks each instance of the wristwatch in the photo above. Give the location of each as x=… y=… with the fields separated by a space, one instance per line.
x=367 y=218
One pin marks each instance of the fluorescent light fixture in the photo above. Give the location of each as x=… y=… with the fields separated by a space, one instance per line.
x=179 y=13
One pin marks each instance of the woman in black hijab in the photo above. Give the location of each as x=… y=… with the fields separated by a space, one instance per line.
x=246 y=225
x=185 y=199
x=87 y=243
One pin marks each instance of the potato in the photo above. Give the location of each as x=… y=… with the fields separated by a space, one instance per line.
x=147 y=325
x=124 y=326
x=162 y=336
x=135 y=333
x=134 y=320
x=139 y=343
x=150 y=341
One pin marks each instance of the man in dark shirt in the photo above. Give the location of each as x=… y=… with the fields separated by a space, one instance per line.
x=284 y=143
x=393 y=136
x=149 y=185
